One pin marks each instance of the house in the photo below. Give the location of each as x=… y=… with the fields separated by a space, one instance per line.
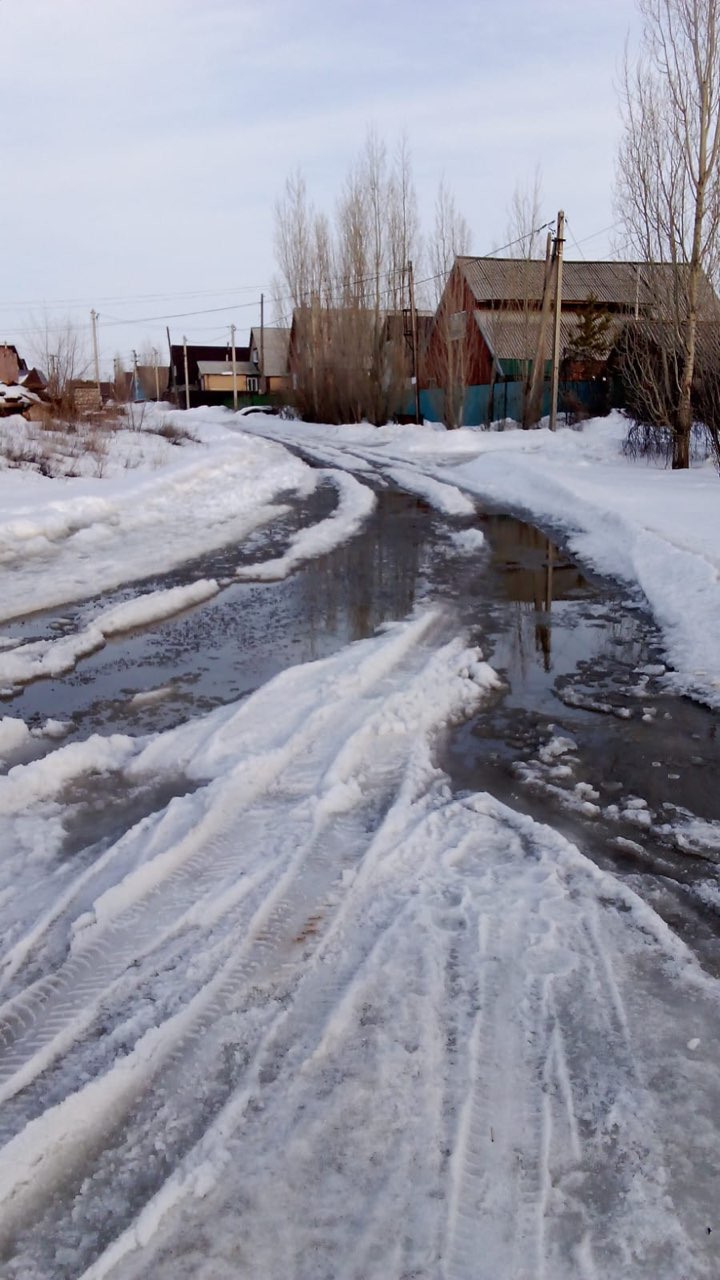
x=150 y=382
x=197 y=392
x=11 y=365
x=228 y=379
x=270 y=356
x=486 y=331
x=22 y=390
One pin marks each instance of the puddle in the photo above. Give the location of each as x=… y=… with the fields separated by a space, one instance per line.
x=580 y=658
x=154 y=679
x=585 y=736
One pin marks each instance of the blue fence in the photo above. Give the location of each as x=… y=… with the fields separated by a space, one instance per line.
x=486 y=404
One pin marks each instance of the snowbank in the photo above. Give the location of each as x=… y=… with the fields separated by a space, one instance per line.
x=155 y=507
x=634 y=520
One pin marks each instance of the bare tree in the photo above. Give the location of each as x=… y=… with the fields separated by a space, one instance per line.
x=447 y=371
x=345 y=286
x=523 y=232
x=451 y=239
x=668 y=193
x=526 y=241
x=61 y=348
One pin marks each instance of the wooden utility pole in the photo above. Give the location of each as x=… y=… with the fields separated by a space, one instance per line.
x=94 y=318
x=173 y=379
x=413 y=321
x=532 y=409
x=559 y=242
x=234 y=366
x=263 y=384
x=187 y=376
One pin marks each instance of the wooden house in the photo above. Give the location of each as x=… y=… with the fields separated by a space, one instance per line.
x=270 y=355
x=486 y=329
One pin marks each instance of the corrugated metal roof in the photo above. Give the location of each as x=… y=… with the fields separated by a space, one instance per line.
x=208 y=368
x=617 y=284
x=275 y=347
x=513 y=335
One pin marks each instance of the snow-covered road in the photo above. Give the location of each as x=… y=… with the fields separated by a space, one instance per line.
x=318 y=1015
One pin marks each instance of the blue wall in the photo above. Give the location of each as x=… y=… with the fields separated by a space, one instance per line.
x=487 y=404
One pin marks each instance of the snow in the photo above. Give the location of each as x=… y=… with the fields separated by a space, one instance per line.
x=42 y=658
x=430 y=1010
x=156 y=506
x=318 y=1014
x=356 y=502
x=468 y=541
x=637 y=521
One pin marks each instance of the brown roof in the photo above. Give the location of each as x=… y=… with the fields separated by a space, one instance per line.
x=618 y=286
x=512 y=335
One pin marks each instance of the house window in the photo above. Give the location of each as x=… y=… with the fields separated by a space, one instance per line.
x=253 y=384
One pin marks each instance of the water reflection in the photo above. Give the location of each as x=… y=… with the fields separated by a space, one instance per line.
x=227 y=648
x=534 y=575
x=372 y=579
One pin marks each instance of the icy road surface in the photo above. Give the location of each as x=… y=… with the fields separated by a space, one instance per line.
x=318 y=1018
x=315 y=1013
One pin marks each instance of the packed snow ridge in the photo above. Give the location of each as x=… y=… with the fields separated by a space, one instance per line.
x=317 y=1014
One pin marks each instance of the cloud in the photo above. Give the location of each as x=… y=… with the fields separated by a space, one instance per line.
x=151 y=138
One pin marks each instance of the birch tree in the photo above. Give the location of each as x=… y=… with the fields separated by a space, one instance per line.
x=344 y=281
x=451 y=239
x=668 y=194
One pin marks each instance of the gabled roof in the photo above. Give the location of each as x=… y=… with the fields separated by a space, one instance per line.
x=275 y=349
x=620 y=286
x=196 y=352
x=513 y=335
x=214 y=368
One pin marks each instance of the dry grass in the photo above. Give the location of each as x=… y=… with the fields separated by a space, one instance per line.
x=176 y=435
x=79 y=444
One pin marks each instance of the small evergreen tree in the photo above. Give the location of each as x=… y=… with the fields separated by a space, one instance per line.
x=591 y=340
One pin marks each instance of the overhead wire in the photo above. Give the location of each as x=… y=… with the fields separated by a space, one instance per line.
x=111 y=321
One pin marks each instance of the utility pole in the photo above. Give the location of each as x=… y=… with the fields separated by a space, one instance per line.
x=234 y=366
x=187 y=376
x=532 y=409
x=157 y=373
x=135 y=377
x=94 y=318
x=413 y=322
x=173 y=379
x=262 y=342
x=559 y=242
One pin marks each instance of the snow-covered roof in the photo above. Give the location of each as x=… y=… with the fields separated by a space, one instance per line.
x=17 y=395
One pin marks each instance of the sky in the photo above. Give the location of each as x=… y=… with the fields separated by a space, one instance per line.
x=145 y=142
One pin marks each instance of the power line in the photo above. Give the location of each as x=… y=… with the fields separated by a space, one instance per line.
x=130 y=297
x=572 y=237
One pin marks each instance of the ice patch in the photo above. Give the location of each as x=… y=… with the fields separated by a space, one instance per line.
x=356 y=503
x=46 y=658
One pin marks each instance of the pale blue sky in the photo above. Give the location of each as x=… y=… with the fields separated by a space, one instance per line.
x=146 y=141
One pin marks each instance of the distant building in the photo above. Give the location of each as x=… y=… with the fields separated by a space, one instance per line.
x=260 y=372
x=197 y=394
x=269 y=353
x=486 y=330
x=11 y=365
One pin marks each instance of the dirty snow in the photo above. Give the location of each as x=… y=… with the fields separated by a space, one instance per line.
x=638 y=521
x=317 y=1015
